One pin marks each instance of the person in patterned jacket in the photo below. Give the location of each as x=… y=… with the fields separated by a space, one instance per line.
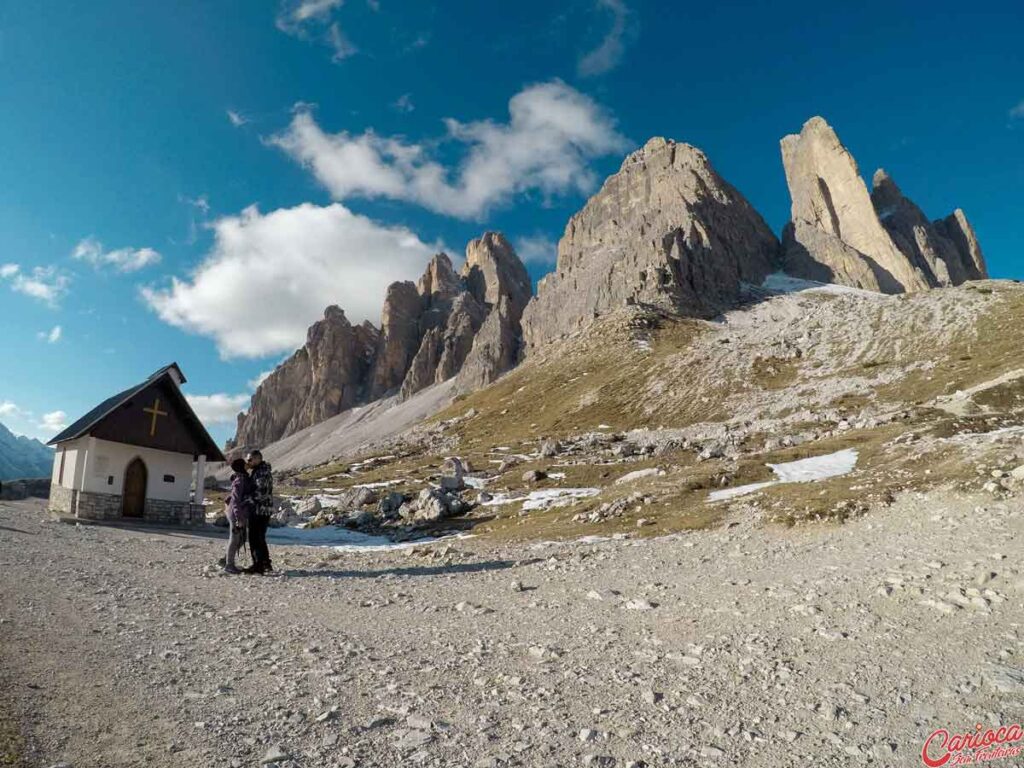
x=259 y=471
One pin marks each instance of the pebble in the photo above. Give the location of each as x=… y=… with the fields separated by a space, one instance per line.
x=639 y=604
x=274 y=755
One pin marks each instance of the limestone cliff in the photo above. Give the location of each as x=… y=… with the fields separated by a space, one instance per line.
x=879 y=241
x=430 y=332
x=665 y=230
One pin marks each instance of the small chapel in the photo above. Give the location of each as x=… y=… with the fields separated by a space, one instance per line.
x=139 y=454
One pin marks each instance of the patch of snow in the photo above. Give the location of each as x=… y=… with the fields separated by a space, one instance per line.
x=341 y=539
x=327 y=500
x=381 y=484
x=639 y=474
x=740 y=490
x=802 y=471
x=604 y=426
x=557 y=497
x=817 y=467
x=544 y=499
x=556 y=475
x=475 y=482
x=780 y=282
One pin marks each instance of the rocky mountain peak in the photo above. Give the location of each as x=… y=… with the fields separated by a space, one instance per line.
x=884 y=191
x=834 y=228
x=442 y=326
x=666 y=230
x=840 y=233
x=439 y=280
x=493 y=269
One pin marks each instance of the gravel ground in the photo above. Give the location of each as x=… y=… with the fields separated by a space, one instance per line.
x=746 y=645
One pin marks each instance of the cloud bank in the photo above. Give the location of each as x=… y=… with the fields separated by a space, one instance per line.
x=219 y=408
x=269 y=276
x=552 y=133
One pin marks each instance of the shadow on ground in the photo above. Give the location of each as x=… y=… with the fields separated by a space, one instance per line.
x=414 y=570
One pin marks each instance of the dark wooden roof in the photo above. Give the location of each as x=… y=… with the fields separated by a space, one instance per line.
x=124 y=418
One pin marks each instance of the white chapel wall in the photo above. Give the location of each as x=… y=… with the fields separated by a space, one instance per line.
x=73 y=450
x=108 y=462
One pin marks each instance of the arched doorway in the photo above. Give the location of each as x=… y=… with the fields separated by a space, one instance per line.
x=133 y=501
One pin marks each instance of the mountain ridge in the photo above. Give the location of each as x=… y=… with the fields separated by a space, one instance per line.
x=23 y=457
x=665 y=231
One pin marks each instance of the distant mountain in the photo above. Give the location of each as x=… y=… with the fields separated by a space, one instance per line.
x=23 y=457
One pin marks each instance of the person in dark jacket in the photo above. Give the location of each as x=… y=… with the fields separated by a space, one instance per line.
x=240 y=512
x=263 y=482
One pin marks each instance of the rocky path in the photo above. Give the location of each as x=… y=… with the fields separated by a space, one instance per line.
x=752 y=646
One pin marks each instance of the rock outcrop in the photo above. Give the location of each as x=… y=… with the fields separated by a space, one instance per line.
x=447 y=324
x=666 y=230
x=322 y=379
x=839 y=233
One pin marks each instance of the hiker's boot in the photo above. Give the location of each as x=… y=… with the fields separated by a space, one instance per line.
x=231 y=569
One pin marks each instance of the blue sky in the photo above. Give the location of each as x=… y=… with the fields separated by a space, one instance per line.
x=270 y=157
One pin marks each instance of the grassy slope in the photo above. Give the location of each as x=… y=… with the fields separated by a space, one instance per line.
x=895 y=354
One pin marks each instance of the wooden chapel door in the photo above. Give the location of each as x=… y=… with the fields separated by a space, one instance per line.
x=134 y=496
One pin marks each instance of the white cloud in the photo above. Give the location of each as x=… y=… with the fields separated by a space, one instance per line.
x=123 y=259
x=54 y=421
x=339 y=42
x=237 y=118
x=1017 y=113
x=537 y=249
x=9 y=409
x=218 y=408
x=255 y=382
x=404 y=103
x=52 y=336
x=46 y=284
x=607 y=55
x=201 y=203
x=269 y=276
x=307 y=10
x=312 y=20
x=552 y=134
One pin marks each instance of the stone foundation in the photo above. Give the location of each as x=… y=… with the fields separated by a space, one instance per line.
x=98 y=506
x=173 y=512
x=63 y=500
x=107 y=506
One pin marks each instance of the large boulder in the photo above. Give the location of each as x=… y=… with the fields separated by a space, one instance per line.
x=666 y=230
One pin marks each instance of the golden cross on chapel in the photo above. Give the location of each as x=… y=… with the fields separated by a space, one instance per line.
x=155 y=411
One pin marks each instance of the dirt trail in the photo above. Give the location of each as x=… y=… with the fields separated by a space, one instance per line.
x=745 y=645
